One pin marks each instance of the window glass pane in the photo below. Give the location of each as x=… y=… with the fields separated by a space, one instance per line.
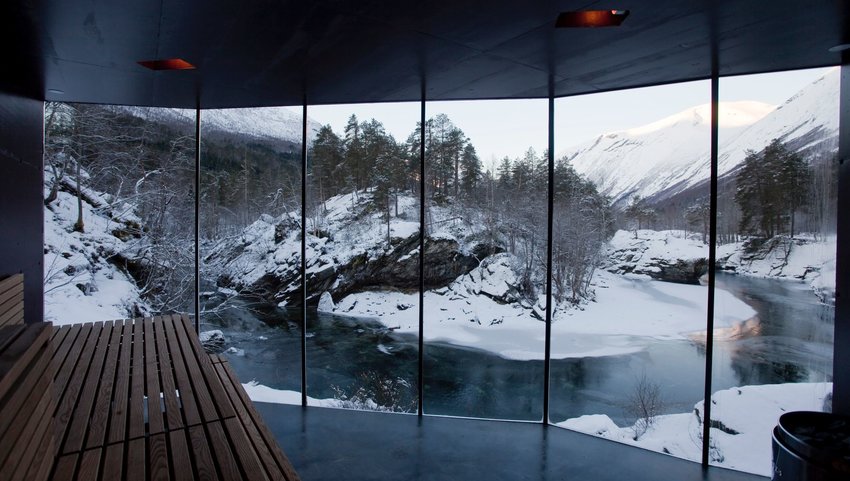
x=250 y=214
x=362 y=257
x=119 y=212
x=776 y=252
x=631 y=213
x=486 y=171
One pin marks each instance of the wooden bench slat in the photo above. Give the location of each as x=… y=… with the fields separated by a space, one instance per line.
x=245 y=451
x=121 y=397
x=136 y=460
x=47 y=452
x=68 y=400
x=225 y=460
x=158 y=455
x=206 y=367
x=66 y=467
x=155 y=421
x=282 y=461
x=8 y=334
x=57 y=341
x=201 y=389
x=11 y=281
x=18 y=405
x=65 y=367
x=20 y=353
x=181 y=460
x=100 y=413
x=250 y=430
x=137 y=383
x=187 y=396
x=11 y=291
x=24 y=440
x=113 y=462
x=81 y=419
x=204 y=464
x=200 y=422
x=89 y=464
x=166 y=372
x=12 y=311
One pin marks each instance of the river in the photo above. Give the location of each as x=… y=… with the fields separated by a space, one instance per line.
x=790 y=340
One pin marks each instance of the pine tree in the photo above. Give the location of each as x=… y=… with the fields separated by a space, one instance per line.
x=771 y=186
x=470 y=164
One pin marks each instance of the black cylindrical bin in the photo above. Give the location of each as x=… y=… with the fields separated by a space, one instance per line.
x=811 y=446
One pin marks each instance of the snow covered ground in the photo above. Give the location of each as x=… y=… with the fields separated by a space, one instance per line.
x=802 y=258
x=80 y=283
x=743 y=419
x=626 y=309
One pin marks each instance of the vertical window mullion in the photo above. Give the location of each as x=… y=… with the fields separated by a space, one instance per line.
x=712 y=251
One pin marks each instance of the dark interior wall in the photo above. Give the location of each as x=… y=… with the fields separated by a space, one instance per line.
x=841 y=357
x=21 y=206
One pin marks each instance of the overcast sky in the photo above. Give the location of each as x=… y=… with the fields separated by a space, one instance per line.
x=509 y=127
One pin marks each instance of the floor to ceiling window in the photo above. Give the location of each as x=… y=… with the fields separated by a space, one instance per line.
x=486 y=176
x=250 y=241
x=118 y=212
x=630 y=244
x=362 y=240
x=630 y=247
x=776 y=221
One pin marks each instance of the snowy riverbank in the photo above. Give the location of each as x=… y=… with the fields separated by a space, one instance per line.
x=742 y=422
x=627 y=309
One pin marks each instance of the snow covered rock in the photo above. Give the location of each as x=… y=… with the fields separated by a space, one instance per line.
x=326 y=302
x=672 y=256
x=495 y=278
x=265 y=259
x=782 y=257
x=212 y=341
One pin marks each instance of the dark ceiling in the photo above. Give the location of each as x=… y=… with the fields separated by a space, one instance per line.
x=277 y=52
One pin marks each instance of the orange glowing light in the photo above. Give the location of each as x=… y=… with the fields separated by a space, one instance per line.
x=591 y=18
x=167 y=64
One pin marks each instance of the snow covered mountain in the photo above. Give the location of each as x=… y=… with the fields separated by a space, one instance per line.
x=671 y=155
x=271 y=123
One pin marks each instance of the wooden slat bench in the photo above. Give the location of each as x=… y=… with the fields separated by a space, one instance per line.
x=142 y=400
x=26 y=400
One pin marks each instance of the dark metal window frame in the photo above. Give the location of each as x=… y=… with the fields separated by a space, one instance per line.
x=842 y=337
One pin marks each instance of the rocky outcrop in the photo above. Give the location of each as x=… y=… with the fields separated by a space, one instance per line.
x=396 y=268
x=661 y=255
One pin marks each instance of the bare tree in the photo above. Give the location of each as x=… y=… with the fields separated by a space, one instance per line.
x=644 y=405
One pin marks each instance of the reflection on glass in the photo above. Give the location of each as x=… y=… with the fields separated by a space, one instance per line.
x=118 y=212
x=362 y=257
x=250 y=217
x=631 y=219
x=486 y=174
x=776 y=250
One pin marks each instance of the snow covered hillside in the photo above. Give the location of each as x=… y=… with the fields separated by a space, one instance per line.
x=269 y=123
x=83 y=279
x=668 y=156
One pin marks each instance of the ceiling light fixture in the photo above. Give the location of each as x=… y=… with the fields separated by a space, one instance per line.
x=840 y=48
x=167 y=64
x=591 y=18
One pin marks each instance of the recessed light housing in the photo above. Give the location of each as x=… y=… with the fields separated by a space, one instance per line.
x=167 y=64
x=591 y=18
x=840 y=48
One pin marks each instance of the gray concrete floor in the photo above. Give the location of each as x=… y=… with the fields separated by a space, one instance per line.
x=332 y=444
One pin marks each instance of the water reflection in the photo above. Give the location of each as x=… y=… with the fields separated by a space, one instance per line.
x=789 y=341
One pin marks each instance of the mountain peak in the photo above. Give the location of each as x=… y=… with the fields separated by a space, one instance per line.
x=732 y=115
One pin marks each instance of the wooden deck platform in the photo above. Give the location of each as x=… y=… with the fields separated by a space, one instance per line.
x=141 y=400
